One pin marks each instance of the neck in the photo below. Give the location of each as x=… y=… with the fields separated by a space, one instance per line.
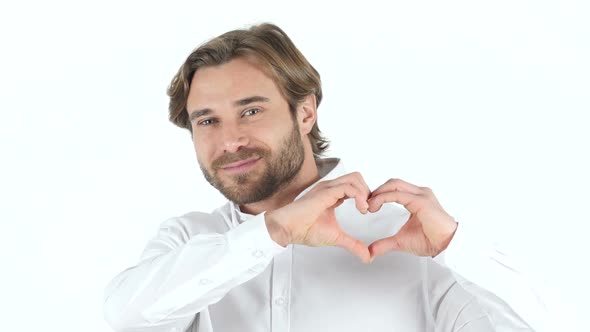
x=308 y=174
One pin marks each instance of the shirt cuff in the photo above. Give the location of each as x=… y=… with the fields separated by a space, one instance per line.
x=252 y=239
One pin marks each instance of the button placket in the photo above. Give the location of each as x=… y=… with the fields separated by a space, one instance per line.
x=281 y=291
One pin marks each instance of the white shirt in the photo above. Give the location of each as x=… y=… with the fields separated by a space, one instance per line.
x=222 y=272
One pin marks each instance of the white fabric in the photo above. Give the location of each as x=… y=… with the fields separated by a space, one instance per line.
x=222 y=272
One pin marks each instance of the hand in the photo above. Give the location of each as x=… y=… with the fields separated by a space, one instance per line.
x=310 y=220
x=429 y=229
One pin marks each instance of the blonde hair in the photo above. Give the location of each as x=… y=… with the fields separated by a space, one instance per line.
x=267 y=45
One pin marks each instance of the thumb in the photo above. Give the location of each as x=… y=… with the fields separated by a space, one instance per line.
x=355 y=246
x=385 y=245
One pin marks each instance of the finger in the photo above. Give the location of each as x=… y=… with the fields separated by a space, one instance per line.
x=357 y=180
x=397 y=185
x=338 y=203
x=354 y=246
x=350 y=190
x=344 y=191
x=363 y=184
x=385 y=245
x=410 y=201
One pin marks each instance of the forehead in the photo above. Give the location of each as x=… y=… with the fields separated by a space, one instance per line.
x=219 y=85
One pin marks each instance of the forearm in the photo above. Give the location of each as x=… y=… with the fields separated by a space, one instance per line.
x=134 y=290
x=172 y=286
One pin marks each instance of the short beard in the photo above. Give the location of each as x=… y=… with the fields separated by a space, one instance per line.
x=281 y=168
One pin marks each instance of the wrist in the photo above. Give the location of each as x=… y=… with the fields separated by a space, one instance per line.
x=277 y=233
x=452 y=229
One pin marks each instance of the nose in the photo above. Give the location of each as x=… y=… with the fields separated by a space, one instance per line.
x=233 y=138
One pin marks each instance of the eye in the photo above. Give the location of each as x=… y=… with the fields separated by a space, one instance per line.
x=206 y=122
x=252 y=111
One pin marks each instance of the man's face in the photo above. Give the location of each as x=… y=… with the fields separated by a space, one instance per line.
x=248 y=145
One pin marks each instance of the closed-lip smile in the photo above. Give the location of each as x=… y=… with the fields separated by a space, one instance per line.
x=240 y=163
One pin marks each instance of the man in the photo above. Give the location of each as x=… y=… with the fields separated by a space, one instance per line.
x=272 y=258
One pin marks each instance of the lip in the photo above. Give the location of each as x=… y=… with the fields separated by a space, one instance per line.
x=241 y=165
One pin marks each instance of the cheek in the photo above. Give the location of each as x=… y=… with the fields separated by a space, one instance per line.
x=207 y=149
x=202 y=150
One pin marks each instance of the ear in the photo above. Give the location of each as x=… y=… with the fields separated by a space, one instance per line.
x=307 y=114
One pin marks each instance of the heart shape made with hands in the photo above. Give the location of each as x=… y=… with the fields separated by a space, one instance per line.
x=311 y=219
x=427 y=232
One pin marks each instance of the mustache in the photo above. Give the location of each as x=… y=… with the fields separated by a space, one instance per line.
x=242 y=154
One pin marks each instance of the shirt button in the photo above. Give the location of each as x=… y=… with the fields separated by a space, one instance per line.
x=204 y=282
x=257 y=253
x=280 y=301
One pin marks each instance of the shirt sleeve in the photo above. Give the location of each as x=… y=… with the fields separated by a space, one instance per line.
x=509 y=295
x=176 y=278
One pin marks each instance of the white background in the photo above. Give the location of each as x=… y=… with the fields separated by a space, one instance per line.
x=482 y=101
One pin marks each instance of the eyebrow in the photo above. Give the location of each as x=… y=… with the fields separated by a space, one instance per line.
x=250 y=100
x=242 y=102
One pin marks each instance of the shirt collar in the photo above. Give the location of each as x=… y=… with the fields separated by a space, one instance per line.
x=328 y=169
